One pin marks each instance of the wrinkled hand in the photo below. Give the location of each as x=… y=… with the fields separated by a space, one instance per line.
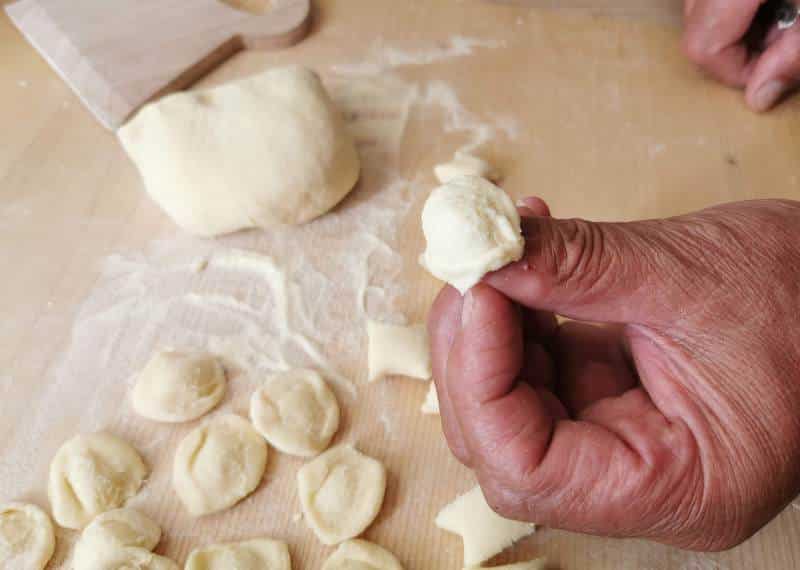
x=679 y=420
x=714 y=39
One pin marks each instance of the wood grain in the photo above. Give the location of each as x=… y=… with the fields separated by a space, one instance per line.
x=611 y=123
x=119 y=55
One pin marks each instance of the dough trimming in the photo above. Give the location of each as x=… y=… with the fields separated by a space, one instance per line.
x=27 y=541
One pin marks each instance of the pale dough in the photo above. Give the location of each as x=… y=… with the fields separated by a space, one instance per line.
x=257 y=554
x=463 y=164
x=471 y=228
x=431 y=403
x=178 y=386
x=538 y=564
x=263 y=151
x=483 y=532
x=27 y=541
x=296 y=412
x=91 y=474
x=118 y=540
x=361 y=555
x=218 y=464
x=341 y=493
x=400 y=350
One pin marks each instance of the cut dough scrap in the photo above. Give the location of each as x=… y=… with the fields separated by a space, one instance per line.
x=341 y=493
x=257 y=554
x=120 y=539
x=361 y=555
x=400 y=350
x=218 y=464
x=296 y=412
x=484 y=532
x=178 y=386
x=463 y=164
x=91 y=474
x=431 y=403
x=212 y=161
x=471 y=228
x=27 y=541
x=538 y=564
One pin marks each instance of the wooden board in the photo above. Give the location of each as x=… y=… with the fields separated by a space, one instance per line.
x=119 y=55
x=611 y=123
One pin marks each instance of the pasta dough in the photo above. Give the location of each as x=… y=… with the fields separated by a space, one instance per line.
x=341 y=493
x=118 y=540
x=91 y=474
x=431 y=403
x=471 y=228
x=484 y=532
x=263 y=151
x=178 y=386
x=27 y=541
x=463 y=164
x=296 y=412
x=398 y=350
x=258 y=554
x=361 y=555
x=218 y=464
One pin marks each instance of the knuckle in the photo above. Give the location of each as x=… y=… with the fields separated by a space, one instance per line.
x=580 y=256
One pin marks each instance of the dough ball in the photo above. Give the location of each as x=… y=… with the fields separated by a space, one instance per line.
x=463 y=164
x=178 y=386
x=218 y=464
x=263 y=151
x=398 y=350
x=296 y=412
x=471 y=227
x=431 y=404
x=361 y=555
x=91 y=474
x=341 y=493
x=27 y=541
x=483 y=532
x=258 y=554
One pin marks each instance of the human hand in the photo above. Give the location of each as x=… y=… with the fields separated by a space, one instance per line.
x=679 y=420
x=714 y=39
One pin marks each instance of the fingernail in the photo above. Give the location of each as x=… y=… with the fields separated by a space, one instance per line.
x=768 y=94
x=527 y=202
x=467 y=308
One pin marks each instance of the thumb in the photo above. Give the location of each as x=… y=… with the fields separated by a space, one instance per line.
x=776 y=73
x=605 y=272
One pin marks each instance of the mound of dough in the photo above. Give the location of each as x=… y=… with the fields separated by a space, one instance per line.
x=123 y=538
x=218 y=464
x=91 y=474
x=398 y=350
x=463 y=164
x=178 y=386
x=341 y=493
x=296 y=412
x=263 y=151
x=484 y=532
x=27 y=541
x=257 y=554
x=431 y=404
x=361 y=555
x=471 y=227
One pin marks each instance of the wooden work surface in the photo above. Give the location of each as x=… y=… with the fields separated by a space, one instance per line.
x=612 y=124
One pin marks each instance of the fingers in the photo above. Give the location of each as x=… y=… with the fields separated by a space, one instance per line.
x=713 y=37
x=776 y=72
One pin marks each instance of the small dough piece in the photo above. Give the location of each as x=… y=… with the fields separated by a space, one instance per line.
x=471 y=227
x=27 y=541
x=178 y=386
x=538 y=564
x=264 y=151
x=91 y=474
x=484 y=532
x=119 y=539
x=400 y=350
x=431 y=404
x=257 y=554
x=463 y=164
x=296 y=412
x=341 y=493
x=218 y=464
x=361 y=555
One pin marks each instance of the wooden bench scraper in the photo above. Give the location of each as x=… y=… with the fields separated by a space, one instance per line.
x=119 y=54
